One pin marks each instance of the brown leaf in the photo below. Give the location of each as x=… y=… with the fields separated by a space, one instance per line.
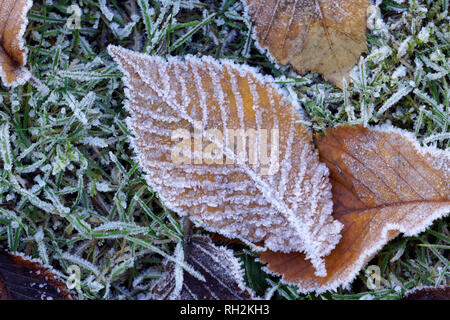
x=221 y=271
x=326 y=36
x=24 y=279
x=13 y=53
x=384 y=183
x=428 y=293
x=286 y=204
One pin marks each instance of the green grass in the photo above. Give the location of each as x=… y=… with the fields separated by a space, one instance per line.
x=71 y=191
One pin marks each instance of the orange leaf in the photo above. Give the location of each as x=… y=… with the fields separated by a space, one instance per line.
x=384 y=183
x=284 y=203
x=13 y=53
x=221 y=271
x=24 y=279
x=326 y=36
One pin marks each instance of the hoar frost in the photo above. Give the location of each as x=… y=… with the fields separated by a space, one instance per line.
x=290 y=210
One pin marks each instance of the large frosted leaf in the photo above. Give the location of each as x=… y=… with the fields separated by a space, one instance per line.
x=21 y=278
x=13 y=53
x=384 y=183
x=222 y=276
x=327 y=36
x=285 y=205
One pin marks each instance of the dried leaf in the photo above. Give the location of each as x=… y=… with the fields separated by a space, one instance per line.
x=326 y=36
x=428 y=293
x=285 y=204
x=22 y=278
x=13 y=53
x=220 y=269
x=384 y=183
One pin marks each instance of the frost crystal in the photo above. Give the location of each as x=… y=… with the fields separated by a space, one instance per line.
x=326 y=36
x=424 y=34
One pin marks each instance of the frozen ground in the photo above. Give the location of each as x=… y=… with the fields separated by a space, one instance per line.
x=73 y=193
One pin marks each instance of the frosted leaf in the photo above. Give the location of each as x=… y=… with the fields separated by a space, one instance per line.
x=384 y=183
x=124 y=32
x=223 y=276
x=94 y=141
x=81 y=262
x=13 y=53
x=277 y=193
x=327 y=36
x=22 y=278
x=428 y=293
